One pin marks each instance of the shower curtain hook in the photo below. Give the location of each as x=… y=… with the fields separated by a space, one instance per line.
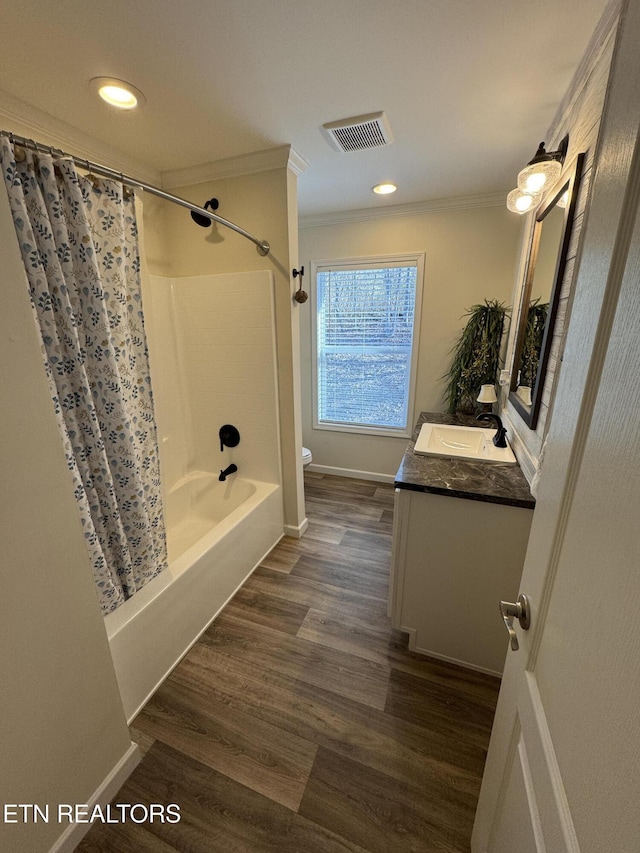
x=32 y=145
x=90 y=176
x=19 y=152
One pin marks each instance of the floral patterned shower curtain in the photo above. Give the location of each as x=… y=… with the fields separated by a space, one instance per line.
x=78 y=240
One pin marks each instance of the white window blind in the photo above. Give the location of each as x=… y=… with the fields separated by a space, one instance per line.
x=365 y=334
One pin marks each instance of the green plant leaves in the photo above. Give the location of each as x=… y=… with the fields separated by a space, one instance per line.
x=476 y=358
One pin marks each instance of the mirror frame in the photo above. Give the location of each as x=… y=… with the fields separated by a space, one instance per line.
x=570 y=182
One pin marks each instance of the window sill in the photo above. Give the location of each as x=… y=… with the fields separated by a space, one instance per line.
x=362 y=429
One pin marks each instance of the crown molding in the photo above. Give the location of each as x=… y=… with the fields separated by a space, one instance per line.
x=297 y=163
x=281 y=157
x=23 y=119
x=415 y=209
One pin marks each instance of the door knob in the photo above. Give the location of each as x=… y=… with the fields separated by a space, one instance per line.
x=519 y=610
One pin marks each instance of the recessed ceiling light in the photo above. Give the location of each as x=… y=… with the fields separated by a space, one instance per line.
x=385 y=188
x=117 y=93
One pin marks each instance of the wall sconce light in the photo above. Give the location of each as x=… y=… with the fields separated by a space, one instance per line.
x=541 y=171
x=521 y=202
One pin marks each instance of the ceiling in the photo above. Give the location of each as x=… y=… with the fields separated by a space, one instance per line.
x=469 y=86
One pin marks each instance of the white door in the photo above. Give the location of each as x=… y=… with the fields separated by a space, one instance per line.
x=563 y=770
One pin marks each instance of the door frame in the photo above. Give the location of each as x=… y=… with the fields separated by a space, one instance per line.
x=610 y=218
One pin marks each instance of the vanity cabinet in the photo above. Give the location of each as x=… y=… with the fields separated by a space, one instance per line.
x=460 y=533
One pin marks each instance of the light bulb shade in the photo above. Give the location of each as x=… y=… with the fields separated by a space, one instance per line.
x=487 y=394
x=520 y=202
x=524 y=392
x=537 y=176
x=563 y=201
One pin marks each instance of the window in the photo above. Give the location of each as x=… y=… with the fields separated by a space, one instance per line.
x=366 y=317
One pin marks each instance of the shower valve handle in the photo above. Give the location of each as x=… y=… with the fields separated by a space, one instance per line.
x=229 y=436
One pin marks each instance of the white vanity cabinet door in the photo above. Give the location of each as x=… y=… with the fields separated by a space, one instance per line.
x=453 y=560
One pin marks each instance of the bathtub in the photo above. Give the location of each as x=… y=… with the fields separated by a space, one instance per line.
x=217 y=533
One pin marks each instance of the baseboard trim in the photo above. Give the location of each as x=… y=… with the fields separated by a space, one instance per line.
x=296 y=532
x=75 y=832
x=428 y=653
x=352 y=473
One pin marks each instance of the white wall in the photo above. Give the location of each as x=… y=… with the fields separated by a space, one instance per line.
x=63 y=729
x=212 y=352
x=471 y=255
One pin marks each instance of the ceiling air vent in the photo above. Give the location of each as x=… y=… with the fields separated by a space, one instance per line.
x=359 y=133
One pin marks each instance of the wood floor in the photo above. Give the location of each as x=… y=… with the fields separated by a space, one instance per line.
x=301 y=722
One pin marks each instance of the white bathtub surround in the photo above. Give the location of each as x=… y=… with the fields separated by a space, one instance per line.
x=166 y=618
x=213 y=362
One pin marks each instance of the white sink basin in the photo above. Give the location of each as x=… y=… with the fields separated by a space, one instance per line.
x=462 y=443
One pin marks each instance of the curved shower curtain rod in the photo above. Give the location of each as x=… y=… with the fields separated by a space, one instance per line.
x=105 y=172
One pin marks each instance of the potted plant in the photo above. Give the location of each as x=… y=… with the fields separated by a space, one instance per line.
x=476 y=358
x=532 y=342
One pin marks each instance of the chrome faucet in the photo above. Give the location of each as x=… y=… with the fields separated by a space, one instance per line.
x=230 y=470
x=499 y=439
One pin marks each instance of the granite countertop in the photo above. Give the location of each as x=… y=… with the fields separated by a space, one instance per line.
x=462 y=478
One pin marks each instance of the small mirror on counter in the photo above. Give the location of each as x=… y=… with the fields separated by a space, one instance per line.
x=540 y=295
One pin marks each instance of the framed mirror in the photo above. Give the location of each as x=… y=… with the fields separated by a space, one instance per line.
x=541 y=293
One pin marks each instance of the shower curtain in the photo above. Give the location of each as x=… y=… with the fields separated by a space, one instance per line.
x=78 y=239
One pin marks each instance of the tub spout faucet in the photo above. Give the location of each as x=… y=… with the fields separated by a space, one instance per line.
x=230 y=470
x=499 y=439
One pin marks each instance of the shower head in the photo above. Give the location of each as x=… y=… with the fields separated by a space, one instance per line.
x=204 y=221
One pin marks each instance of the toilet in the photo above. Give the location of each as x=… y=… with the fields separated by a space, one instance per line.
x=307 y=458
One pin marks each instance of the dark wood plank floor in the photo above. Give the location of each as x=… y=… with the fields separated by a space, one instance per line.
x=301 y=722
